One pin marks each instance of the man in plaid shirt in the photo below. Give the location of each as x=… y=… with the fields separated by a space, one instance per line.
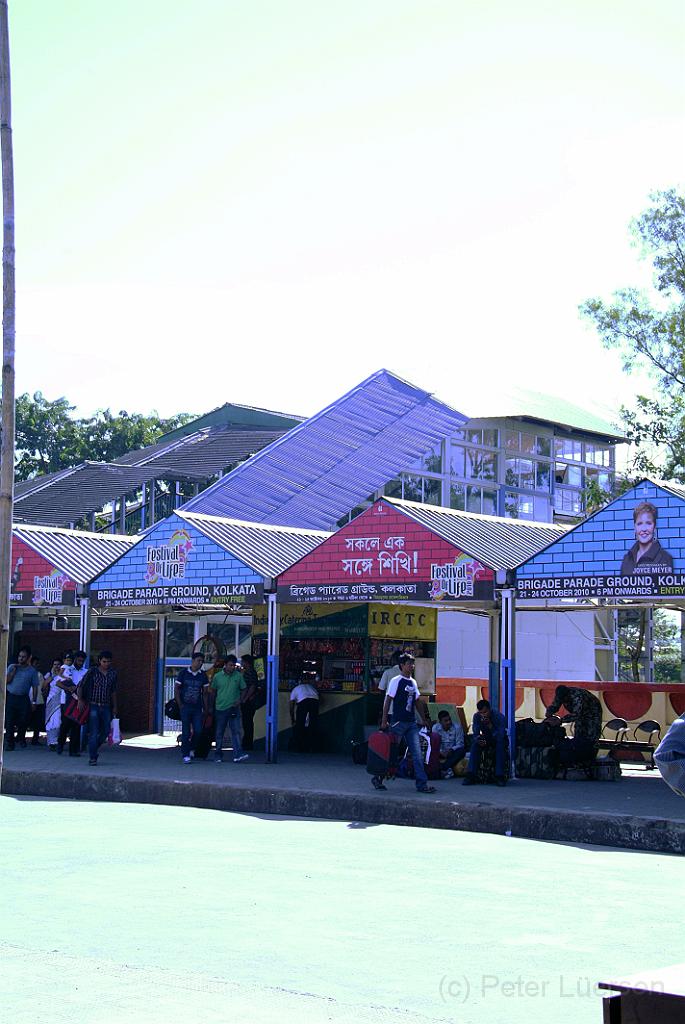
x=98 y=688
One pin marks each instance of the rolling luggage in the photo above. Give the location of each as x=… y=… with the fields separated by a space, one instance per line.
x=381 y=759
x=537 y=762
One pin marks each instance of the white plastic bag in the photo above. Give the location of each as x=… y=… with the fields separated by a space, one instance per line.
x=114 y=733
x=670 y=756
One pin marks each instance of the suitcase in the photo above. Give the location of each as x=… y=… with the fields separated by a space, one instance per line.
x=381 y=758
x=537 y=762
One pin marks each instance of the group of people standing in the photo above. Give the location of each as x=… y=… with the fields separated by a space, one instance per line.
x=230 y=693
x=70 y=702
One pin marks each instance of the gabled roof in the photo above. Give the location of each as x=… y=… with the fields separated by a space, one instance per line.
x=496 y=542
x=71 y=495
x=269 y=550
x=319 y=470
x=249 y=417
x=79 y=554
x=534 y=406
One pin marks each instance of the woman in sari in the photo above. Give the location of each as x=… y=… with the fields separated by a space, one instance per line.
x=53 y=703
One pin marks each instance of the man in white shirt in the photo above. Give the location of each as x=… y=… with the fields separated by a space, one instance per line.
x=391 y=672
x=304 y=712
x=404 y=698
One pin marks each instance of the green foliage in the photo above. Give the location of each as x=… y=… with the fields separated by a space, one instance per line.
x=648 y=329
x=49 y=438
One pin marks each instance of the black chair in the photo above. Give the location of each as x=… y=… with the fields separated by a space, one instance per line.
x=646 y=731
x=619 y=727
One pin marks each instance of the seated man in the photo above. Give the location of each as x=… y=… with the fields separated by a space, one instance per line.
x=585 y=711
x=452 y=748
x=489 y=730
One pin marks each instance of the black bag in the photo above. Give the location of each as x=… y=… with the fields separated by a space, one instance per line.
x=538 y=734
x=537 y=762
x=202 y=744
x=359 y=752
x=576 y=751
x=172 y=710
x=606 y=769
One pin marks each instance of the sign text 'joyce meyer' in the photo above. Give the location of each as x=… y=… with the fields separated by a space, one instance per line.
x=206 y=593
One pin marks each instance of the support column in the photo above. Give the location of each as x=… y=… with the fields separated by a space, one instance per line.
x=273 y=640
x=493 y=662
x=508 y=666
x=143 y=507
x=161 y=674
x=84 y=627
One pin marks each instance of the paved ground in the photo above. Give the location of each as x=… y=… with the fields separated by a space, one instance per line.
x=640 y=811
x=112 y=912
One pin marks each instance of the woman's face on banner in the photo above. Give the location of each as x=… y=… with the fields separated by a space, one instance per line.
x=644 y=529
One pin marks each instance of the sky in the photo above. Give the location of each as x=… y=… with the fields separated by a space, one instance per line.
x=265 y=201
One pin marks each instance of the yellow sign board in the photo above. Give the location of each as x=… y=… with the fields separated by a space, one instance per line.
x=402 y=623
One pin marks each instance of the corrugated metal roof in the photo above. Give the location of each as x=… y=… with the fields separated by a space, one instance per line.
x=201 y=454
x=71 y=495
x=319 y=470
x=677 y=490
x=520 y=403
x=496 y=542
x=80 y=555
x=269 y=550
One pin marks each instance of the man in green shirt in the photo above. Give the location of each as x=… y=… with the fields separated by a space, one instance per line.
x=226 y=687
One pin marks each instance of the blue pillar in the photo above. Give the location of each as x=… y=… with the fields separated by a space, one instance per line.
x=273 y=640
x=508 y=666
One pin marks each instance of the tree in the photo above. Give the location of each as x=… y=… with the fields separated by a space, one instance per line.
x=648 y=329
x=49 y=438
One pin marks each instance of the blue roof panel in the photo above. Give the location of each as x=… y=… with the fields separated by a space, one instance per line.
x=313 y=475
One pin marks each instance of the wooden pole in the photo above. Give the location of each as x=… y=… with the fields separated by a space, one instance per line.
x=8 y=307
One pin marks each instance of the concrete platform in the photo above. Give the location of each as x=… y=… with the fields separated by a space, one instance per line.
x=640 y=812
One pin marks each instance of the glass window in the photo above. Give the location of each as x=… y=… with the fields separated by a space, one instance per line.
x=567 y=502
x=412 y=487
x=480 y=465
x=143 y=624
x=432 y=460
x=543 y=476
x=473 y=496
x=432 y=491
x=569 y=475
x=565 y=448
x=511 y=472
x=457 y=460
x=458 y=496
x=180 y=635
x=528 y=443
x=513 y=440
x=489 y=502
x=544 y=446
x=393 y=489
x=598 y=454
x=474 y=436
x=490 y=438
x=527 y=474
x=459 y=435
